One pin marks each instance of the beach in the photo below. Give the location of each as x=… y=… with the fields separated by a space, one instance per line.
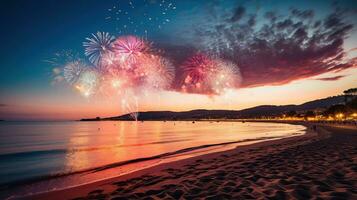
x=319 y=164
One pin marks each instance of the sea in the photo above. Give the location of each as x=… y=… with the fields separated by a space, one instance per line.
x=37 y=157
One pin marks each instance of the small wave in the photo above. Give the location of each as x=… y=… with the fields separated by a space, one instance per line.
x=122 y=163
x=64 y=151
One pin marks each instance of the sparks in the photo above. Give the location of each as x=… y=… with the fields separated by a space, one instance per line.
x=97 y=46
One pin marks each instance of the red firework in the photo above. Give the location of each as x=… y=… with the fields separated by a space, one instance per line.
x=197 y=71
x=128 y=49
x=207 y=75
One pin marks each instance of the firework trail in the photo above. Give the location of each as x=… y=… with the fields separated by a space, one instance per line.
x=97 y=46
x=128 y=49
x=72 y=71
x=130 y=105
x=61 y=58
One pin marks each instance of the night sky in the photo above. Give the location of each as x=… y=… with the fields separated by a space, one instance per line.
x=275 y=44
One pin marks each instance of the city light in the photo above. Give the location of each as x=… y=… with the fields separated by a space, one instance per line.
x=339 y=115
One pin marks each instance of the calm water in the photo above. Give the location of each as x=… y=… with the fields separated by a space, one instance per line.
x=36 y=149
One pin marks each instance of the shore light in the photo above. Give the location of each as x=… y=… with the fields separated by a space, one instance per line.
x=339 y=115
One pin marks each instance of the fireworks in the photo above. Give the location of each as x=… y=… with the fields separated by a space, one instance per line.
x=58 y=62
x=153 y=15
x=203 y=74
x=197 y=70
x=158 y=72
x=128 y=67
x=72 y=71
x=227 y=76
x=63 y=57
x=87 y=82
x=129 y=103
x=128 y=49
x=97 y=46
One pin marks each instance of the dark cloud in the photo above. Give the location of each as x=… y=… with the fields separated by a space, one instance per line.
x=271 y=16
x=304 y=14
x=333 y=78
x=2 y=105
x=252 y=20
x=237 y=14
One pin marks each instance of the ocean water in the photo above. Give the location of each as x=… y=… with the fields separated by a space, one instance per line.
x=38 y=150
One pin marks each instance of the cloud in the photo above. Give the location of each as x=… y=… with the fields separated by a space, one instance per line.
x=3 y=105
x=237 y=14
x=353 y=49
x=333 y=78
x=280 y=48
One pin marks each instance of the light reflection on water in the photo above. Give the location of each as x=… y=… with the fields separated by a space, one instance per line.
x=36 y=149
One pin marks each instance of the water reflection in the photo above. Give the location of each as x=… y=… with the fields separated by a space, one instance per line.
x=36 y=149
x=93 y=144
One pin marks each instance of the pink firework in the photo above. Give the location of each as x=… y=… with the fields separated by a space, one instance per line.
x=155 y=72
x=197 y=71
x=128 y=49
x=206 y=75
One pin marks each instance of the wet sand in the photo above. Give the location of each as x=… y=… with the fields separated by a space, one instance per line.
x=318 y=165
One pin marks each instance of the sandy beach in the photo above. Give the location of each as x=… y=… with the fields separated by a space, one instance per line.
x=317 y=165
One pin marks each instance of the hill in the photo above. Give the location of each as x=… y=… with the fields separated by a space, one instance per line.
x=258 y=111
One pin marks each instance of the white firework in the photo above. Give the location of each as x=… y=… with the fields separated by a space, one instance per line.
x=72 y=71
x=160 y=72
x=97 y=46
x=130 y=104
x=227 y=75
x=87 y=82
x=62 y=58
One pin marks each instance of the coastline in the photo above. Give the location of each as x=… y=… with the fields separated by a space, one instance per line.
x=83 y=190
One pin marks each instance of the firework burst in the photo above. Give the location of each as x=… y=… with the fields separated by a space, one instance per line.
x=157 y=72
x=59 y=61
x=97 y=46
x=227 y=76
x=128 y=49
x=72 y=71
x=87 y=82
x=203 y=74
x=197 y=70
